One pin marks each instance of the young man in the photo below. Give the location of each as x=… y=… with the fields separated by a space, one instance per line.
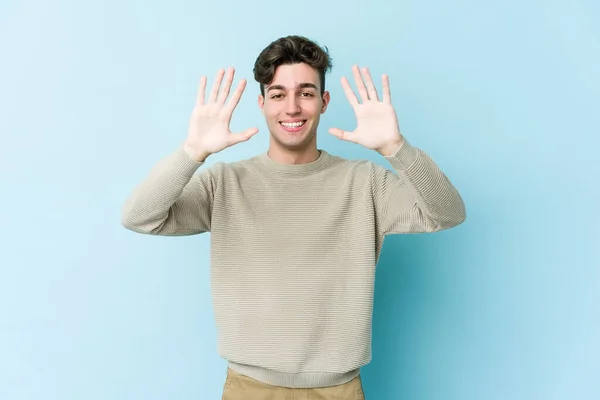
x=295 y=232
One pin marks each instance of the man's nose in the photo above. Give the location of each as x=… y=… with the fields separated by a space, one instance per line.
x=293 y=105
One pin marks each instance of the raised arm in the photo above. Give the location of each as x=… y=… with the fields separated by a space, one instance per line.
x=173 y=199
x=419 y=197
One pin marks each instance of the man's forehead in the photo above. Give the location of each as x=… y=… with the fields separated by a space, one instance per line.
x=294 y=77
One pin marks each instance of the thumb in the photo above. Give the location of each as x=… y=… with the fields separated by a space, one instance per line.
x=242 y=136
x=341 y=134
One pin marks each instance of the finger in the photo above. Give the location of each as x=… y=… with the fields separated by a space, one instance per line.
x=235 y=98
x=348 y=91
x=387 y=93
x=201 y=90
x=227 y=87
x=360 y=85
x=216 y=85
x=341 y=134
x=370 y=85
x=236 y=138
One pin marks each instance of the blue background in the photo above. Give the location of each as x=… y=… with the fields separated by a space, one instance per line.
x=504 y=95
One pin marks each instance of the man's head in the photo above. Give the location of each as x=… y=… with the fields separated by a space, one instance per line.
x=291 y=73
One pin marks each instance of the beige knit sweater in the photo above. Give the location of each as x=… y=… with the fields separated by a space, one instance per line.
x=294 y=250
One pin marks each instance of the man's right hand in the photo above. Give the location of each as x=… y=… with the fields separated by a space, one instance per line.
x=208 y=131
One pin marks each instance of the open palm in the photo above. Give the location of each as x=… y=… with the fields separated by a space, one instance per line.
x=376 y=120
x=208 y=130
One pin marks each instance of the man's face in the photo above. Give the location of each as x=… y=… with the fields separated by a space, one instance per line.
x=292 y=106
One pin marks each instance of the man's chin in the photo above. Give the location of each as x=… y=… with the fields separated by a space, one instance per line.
x=293 y=143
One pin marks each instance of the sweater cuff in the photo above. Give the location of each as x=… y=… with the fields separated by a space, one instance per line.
x=404 y=157
x=184 y=164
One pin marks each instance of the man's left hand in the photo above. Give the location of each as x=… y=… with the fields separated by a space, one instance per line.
x=376 y=120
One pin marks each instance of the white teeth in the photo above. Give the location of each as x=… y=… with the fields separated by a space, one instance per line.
x=293 y=124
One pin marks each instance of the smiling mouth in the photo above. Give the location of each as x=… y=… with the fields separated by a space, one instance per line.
x=293 y=126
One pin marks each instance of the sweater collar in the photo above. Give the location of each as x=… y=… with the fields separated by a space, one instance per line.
x=300 y=169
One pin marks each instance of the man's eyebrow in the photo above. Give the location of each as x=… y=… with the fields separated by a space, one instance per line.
x=300 y=86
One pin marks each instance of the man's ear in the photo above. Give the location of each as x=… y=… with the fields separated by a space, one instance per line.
x=326 y=98
x=261 y=102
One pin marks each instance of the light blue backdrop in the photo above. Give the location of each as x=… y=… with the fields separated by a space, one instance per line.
x=503 y=95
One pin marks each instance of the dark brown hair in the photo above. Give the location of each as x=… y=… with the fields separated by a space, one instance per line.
x=291 y=50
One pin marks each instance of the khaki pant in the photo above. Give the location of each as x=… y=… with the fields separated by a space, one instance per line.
x=241 y=387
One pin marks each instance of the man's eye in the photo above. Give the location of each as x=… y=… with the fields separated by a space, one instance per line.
x=307 y=94
x=276 y=96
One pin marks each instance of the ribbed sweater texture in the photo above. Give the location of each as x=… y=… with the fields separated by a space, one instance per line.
x=294 y=249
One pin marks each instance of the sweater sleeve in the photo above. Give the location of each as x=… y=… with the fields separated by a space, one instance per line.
x=418 y=198
x=173 y=200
